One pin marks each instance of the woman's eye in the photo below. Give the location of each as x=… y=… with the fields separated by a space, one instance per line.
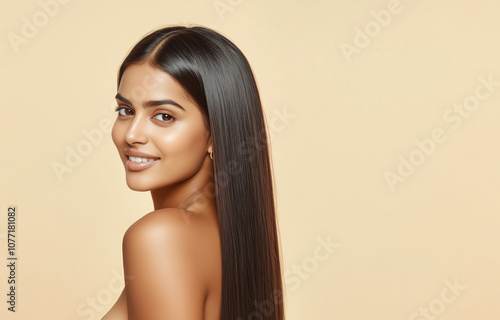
x=122 y=111
x=164 y=117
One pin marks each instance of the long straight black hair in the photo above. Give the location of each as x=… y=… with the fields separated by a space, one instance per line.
x=218 y=77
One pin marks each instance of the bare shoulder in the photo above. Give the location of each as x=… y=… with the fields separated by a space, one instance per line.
x=171 y=220
x=171 y=259
x=184 y=235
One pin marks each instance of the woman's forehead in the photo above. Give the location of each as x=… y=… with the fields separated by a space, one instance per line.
x=145 y=82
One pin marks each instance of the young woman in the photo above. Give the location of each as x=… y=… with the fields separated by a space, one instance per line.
x=190 y=129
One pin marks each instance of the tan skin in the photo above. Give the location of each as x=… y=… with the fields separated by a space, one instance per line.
x=171 y=256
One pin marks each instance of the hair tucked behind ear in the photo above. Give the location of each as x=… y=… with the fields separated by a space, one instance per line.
x=218 y=77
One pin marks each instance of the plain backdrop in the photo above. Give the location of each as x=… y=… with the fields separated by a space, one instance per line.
x=384 y=118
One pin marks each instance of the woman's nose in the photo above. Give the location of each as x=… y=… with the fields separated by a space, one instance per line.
x=137 y=131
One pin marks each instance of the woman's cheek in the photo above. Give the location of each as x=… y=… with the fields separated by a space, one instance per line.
x=186 y=146
x=116 y=135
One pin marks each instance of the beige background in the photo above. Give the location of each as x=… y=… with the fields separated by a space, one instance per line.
x=340 y=121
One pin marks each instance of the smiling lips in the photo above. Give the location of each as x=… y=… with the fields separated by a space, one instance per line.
x=138 y=161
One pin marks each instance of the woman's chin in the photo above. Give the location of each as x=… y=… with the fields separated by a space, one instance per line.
x=136 y=186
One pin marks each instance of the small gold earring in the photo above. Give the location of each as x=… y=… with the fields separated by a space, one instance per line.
x=211 y=154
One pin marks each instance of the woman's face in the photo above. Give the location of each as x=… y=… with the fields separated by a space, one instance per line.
x=159 y=132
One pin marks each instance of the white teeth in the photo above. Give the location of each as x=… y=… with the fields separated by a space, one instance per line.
x=137 y=159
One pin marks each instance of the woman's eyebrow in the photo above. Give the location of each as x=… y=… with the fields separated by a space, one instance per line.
x=151 y=103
